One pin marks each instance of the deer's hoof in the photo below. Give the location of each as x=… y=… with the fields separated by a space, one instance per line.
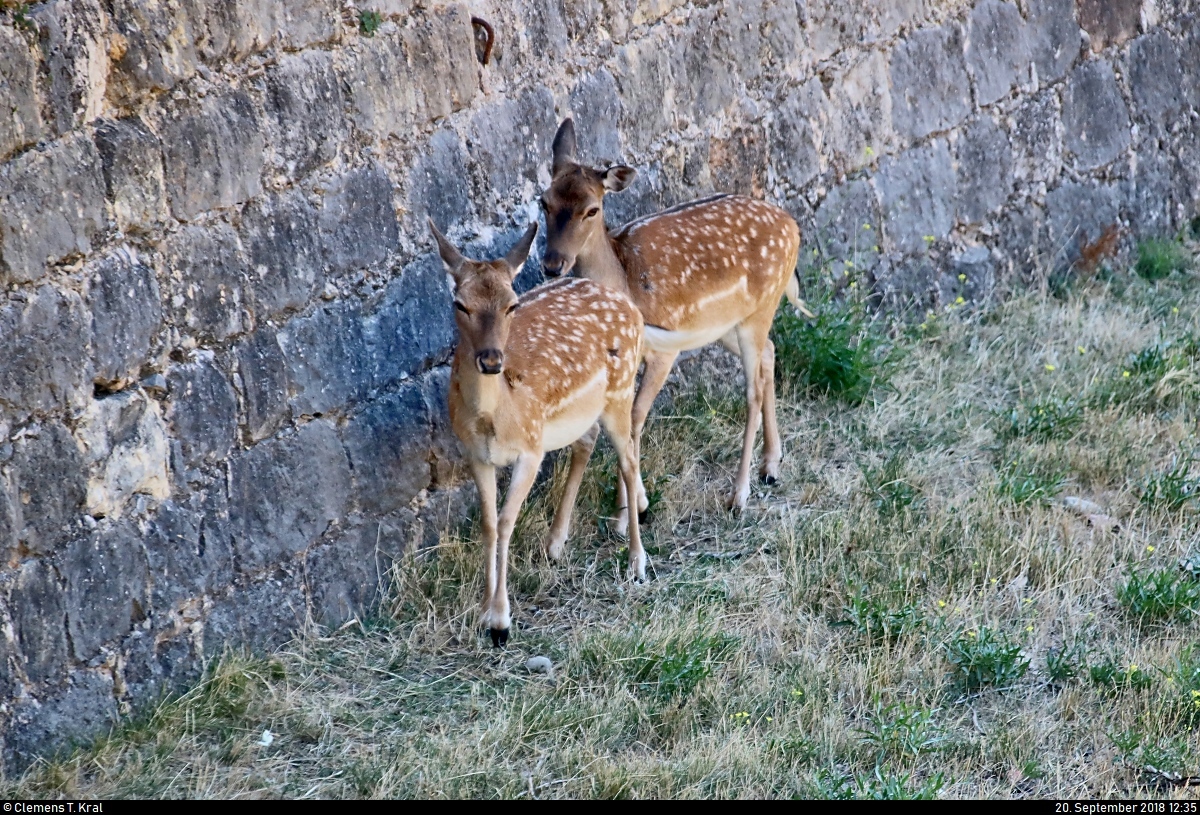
x=499 y=637
x=643 y=515
x=769 y=479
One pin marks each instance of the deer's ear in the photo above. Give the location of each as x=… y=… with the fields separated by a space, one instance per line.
x=517 y=255
x=564 y=146
x=618 y=178
x=452 y=259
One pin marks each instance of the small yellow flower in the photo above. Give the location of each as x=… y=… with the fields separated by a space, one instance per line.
x=769 y=719
x=797 y=692
x=971 y=634
x=1049 y=367
x=1170 y=681
x=941 y=603
x=1125 y=374
x=962 y=278
x=853 y=285
x=1149 y=548
x=869 y=151
x=1027 y=600
x=875 y=248
x=1029 y=628
x=928 y=238
x=1081 y=349
x=958 y=609
x=1174 y=309
x=995 y=580
x=923 y=326
x=959 y=301
x=866 y=226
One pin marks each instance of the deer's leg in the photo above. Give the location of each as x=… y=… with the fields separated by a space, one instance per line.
x=658 y=367
x=617 y=423
x=750 y=344
x=485 y=482
x=772 y=449
x=581 y=451
x=497 y=617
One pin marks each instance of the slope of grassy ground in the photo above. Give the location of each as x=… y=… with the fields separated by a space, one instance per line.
x=977 y=577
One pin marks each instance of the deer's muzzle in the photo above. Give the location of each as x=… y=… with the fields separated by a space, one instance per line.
x=489 y=361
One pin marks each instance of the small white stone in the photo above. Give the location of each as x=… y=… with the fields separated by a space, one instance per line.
x=540 y=665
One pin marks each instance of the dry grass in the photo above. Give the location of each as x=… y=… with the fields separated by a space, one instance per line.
x=803 y=649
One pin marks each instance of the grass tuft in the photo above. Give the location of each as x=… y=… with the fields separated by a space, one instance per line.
x=1150 y=595
x=1159 y=258
x=985 y=657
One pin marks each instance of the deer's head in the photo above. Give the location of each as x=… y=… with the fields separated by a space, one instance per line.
x=484 y=300
x=574 y=203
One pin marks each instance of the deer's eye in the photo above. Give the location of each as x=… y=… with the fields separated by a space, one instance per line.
x=512 y=308
x=591 y=213
x=462 y=308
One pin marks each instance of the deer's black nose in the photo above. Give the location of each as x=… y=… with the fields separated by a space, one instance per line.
x=489 y=361
x=552 y=264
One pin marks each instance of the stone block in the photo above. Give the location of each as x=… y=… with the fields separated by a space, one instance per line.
x=84 y=710
x=412 y=326
x=49 y=482
x=972 y=275
x=1094 y=115
x=234 y=29
x=440 y=46
x=596 y=108
x=1149 y=195
x=439 y=184
x=930 y=87
x=1019 y=242
x=1189 y=58
x=1036 y=138
x=645 y=76
x=133 y=173
x=345 y=578
x=283 y=247
x=153 y=668
x=44 y=359
x=383 y=96
x=189 y=553
x=8 y=520
x=308 y=22
x=918 y=190
x=1078 y=213
x=511 y=138
x=794 y=152
x=284 y=494
x=1109 y=22
x=38 y=606
x=388 y=447
x=213 y=152
x=266 y=386
x=847 y=229
x=125 y=451
x=985 y=179
x=546 y=34
x=75 y=44
x=997 y=51
x=21 y=124
x=123 y=299
x=706 y=68
x=1053 y=36
x=358 y=221
x=765 y=37
x=207 y=275
x=51 y=205
x=328 y=363
x=8 y=669
x=831 y=25
x=304 y=107
x=858 y=113
x=152 y=48
x=738 y=163
x=202 y=411
x=446 y=458
x=1160 y=92
x=261 y=616
x=106 y=576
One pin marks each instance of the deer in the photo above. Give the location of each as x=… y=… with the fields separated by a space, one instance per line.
x=529 y=375
x=713 y=269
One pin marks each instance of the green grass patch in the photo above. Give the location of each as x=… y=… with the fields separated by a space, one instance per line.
x=1151 y=595
x=985 y=657
x=1042 y=419
x=1159 y=258
x=666 y=667
x=841 y=353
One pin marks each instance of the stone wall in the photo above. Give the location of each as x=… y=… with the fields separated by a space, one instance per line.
x=223 y=336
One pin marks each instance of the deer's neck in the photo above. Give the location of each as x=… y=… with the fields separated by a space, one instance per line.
x=598 y=261
x=482 y=394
